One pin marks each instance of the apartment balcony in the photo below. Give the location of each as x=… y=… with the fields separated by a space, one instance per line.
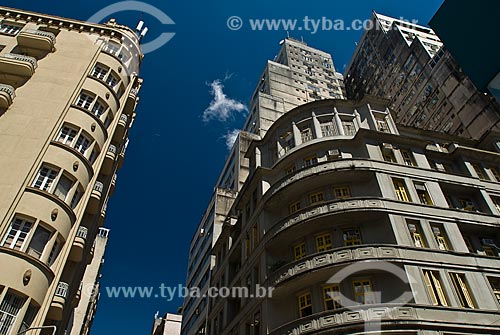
x=103 y=214
x=76 y=253
x=7 y=95
x=57 y=306
x=95 y=198
x=120 y=128
x=109 y=160
x=132 y=101
x=18 y=65
x=36 y=39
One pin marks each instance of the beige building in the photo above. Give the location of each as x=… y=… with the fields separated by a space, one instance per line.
x=68 y=92
x=371 y=224
x=408 y=64
x=169 y=324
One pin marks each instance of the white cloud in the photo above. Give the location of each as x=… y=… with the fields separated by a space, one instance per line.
x=221 y=107
x=230 y=138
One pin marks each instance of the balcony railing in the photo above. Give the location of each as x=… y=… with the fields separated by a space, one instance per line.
x=47 y=34
x=98 y=186
x=22 y=58
x=62 y=290
x=82 y=232
x=124 y=118
x=9 y=90
x=112 y=149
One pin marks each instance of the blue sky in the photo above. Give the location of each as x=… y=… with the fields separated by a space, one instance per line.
x=174 y=157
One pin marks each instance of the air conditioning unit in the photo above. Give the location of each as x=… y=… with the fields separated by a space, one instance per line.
x=334 y=153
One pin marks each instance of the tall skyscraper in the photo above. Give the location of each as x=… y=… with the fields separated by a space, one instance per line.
x=299 y=74
x=408 y=64
x=68 y=93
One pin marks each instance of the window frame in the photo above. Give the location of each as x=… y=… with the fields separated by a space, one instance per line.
x=364 y=294
x=304 y=302
x=401 y=190
x=435 y=288
x=329 y=296
x=316 y=197
x=462 y=289
x=351 y=241
x=323 y=242
x=299 y=250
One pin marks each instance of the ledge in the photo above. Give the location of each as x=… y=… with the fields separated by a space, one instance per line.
x=99 y=122
x=55 y=199
x=30 y=259
x=78 y=154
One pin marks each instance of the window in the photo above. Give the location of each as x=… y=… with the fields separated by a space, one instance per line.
x=363 y=292
x=84 y=100
x=9 y=309
x=54 y=252
x=112 y=80
x=408 y=158
x=480 y=172
x=45 y=178
x=255 y=235
x=28 y=318
x=310 y=161
x=423 y=194
x=82 y=144
x=495 y=286
x=401 y=190
x=416 y=234
x=17 y=234
x=440 y=236
x=323 y=242
x=306 y=135
x=63 y=187
x=305 y=305
x=100 y=71
x=99 y=108
x=496 y=201
x=495 y=173
x=468 y=243
x=489 y=246
x=299 y=251
x=434 y=288
x=351 y=236
x=342 y=192
x=316 y=197
x=295 y=207
x=9 y=29
x=76 y=197
x=38 y=242
x=466 y=204
x=331 y=297
x=462 y=289
x=66 y=135
x=388 y=153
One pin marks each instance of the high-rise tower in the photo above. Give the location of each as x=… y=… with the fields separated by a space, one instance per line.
x=68 y=93
x=408 y=64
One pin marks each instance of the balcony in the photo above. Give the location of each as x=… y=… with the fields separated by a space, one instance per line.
x=132 y=101
x=76 y=253
x=18 y=65
x=95 y=198
x=57 y=306
x=7 y=95
x=103 y=214
x=120 y=128
x=109 y=159
x=36 y=39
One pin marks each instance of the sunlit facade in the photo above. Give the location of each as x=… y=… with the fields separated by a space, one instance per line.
x=68 y=93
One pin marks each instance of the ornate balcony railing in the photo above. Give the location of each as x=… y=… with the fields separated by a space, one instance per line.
x=82 y=232
x=9 y=90
x=47 y=34
x=98 y=186
x=62 y=290
x=22 y=58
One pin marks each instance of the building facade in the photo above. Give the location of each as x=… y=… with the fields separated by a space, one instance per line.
x=367 y=225
x=68 y=93
x=299 y=74
x=407 y=64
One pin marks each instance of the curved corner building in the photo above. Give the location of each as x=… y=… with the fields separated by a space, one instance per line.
x=355 y=225
x=68 y=92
